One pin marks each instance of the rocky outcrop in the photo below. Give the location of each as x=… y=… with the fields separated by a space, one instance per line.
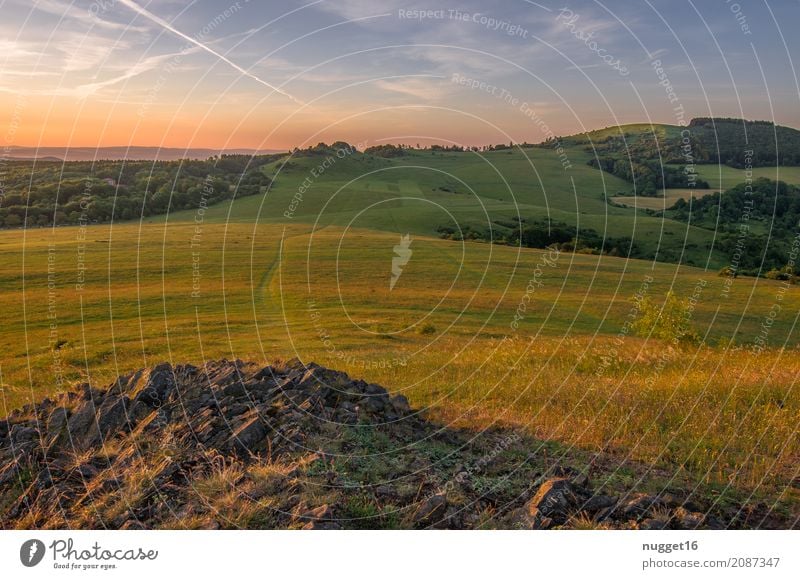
x=233 y=444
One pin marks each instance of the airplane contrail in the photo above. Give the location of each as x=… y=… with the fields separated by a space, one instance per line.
x=167 y=26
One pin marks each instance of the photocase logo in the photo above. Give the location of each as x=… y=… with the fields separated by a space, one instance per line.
x=31 y=553
x=402 y=255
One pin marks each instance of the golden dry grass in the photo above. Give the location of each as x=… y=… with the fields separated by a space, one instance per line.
x=709 y=414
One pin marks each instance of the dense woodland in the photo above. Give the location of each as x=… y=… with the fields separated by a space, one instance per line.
x=46 y=193
x=758 y=224
x=726 y=141
x=648 y=177
x=654 y=159
x=542 y=234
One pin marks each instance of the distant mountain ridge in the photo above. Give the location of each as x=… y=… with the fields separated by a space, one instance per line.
x=122 y=153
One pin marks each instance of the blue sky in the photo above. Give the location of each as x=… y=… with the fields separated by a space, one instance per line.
x=280 y=74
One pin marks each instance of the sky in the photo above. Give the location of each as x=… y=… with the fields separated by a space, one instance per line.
x=277 y=75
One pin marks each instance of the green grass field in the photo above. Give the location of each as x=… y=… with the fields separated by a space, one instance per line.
x=443 y=335
x=423 y=191
x=724 y=177
x=476 y=333
x=667 y=199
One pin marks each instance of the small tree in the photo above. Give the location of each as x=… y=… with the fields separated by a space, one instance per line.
x=668 y=321
x=784 y=273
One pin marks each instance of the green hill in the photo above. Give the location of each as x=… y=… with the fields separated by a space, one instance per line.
x=489 y=195
x=656 y=157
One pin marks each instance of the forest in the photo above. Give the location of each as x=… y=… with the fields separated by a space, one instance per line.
x=43 y=193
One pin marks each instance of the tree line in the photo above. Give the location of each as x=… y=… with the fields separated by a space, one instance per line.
x=41 y=193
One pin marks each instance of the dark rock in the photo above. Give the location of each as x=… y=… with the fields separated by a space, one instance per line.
x=154 y=386
x=401 y=405
x=686 y=519
x=373 y=404
x=237 y=409
x=111 y=416
x=237 y=389
x=21 y=434
x=56 y=425
x=638 y=506
x=431 y=511
x=44 y=480
x=246 y=438
x=374 y=390
x=597 y=503
x=88 y=393
x=386 y=493
x=258 y=427
x=80 y=422
x=556 y=499
x=9 y=472
x=318 y=377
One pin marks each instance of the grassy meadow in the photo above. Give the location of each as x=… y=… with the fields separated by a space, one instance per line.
x=476 y=334
x=667 y=198
x=425 y=190
x=569 y=369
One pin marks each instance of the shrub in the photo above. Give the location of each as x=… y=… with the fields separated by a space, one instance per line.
x=426 y=329
x=667 y=321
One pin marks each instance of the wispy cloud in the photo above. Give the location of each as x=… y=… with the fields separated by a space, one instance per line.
x=90 y=17
x=428 y=88
x=167 y=26
x=83 y=90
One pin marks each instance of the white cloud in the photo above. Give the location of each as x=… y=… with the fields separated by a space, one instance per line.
x=430 y=88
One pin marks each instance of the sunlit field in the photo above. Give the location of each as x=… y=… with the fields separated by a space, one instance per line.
x=566 y=365
x=667 y=198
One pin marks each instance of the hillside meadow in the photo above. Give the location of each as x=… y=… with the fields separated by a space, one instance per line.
x=476 y=334
x=423 y=191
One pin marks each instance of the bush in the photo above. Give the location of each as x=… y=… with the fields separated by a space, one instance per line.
x=668 y=321
x=783 y=274
x=426 y=329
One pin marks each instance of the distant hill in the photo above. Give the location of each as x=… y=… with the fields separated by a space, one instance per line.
x=656 y=157
x=122 y=153
x=713 y=140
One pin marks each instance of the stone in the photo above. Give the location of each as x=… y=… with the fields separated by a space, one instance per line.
x=372 y=404
x=400 y=404
x=56 y=424
x=236 y=389
x=687 y=519
x=249 y=435
x=556 y=499
x=597 y=503
x=639 y=505
x=154 y=386
x=374 y=390
x=80 y=422
x=21 y=434
x=430 y=511
x=320 y=513
x=112 y=415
